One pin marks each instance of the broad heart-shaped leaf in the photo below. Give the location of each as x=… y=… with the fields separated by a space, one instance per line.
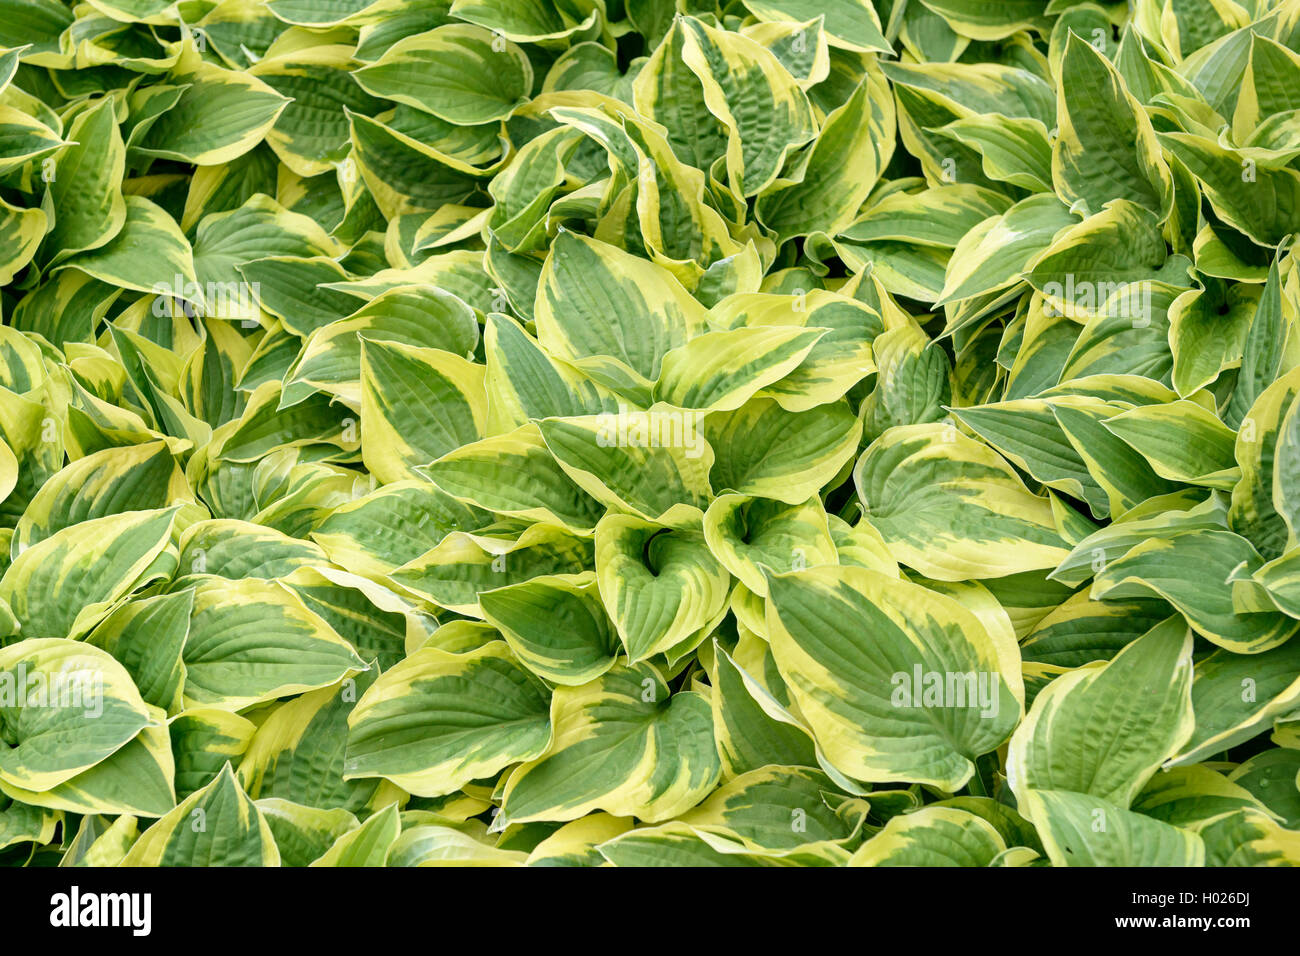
x=458 y=72
x=147 y=635
x=570 y=363
x=896 y=681
x=949 y=507
x=216 y=826
x=746 y=87
x=515 y=475
x=294 y=288
x=64 y=585
x=438 y=720
x=659 y=585
x=1191 y=569
x=403 y=175
x=840 y=359
x=135 y=780
x=409 y=315
x=623 y=744
x=234 y=549
x=913 y=383
x=462 y=566
x=764 y=450
x=1097 y=267
x=556 y=625
x=776 y=810
x=748 y=535
x=434 y=844
x=1082 y=830
x=989 y=21
x=612 y=315
x=1105 y=728
x=253 y=640
x=87 y=190
x=932 y=836
x=720 y=371
x=417 y=404
x=378 y=532
x=652 y=463
x=1106 y=147
x=141 y=476
x=297 y=754
x=64 y=707
x=1207 y=334
x=220 y=116
x=23 y=824
x=149 y=253
x=260 y=228
x=318 y=13
x=525 y=21
x=266 y=425
x=311 y=135
x=1188 y=796
x=993 y=256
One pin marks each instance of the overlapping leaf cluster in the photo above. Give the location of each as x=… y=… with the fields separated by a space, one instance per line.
x=649 y=432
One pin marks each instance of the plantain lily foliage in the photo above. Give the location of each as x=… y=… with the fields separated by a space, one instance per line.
x=649 y=432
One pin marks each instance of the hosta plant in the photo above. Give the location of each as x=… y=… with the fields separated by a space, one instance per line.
x=649 y=432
